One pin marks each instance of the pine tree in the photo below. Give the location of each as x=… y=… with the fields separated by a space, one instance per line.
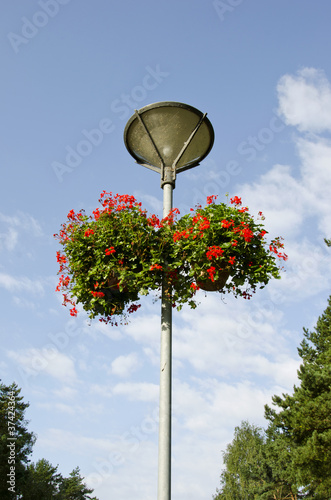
x=73 y=487
x=42 y=481
x=304 y=418
x=15 y=441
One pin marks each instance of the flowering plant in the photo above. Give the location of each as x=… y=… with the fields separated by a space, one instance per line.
x=112 y=257
x=221 y=242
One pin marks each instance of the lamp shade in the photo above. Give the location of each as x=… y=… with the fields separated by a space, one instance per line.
x=168 y=134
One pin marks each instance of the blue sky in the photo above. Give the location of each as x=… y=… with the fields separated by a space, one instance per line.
x=262 y=72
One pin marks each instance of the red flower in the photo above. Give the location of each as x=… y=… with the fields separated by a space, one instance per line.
x=236 y=200
x=133 y=308
x=97 y=294
x=155 y=267
x=73 y=312
x=211 y=271
x=215 y=252
x=71 y=215
x=110 y=250
x=60 y=258
x=210 y=199
x=180 y=234
x=247 y=234
x=88 y=232
x=203 y=222
x=153 y=221
x=226 y=224
x=231 y=260
x=63 y=282
x=96 y=213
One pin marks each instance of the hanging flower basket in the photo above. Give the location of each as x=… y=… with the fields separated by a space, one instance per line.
x=120 y=253
x=214 y=281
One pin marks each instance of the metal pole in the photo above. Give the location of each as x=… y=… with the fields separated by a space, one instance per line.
x=164 y=471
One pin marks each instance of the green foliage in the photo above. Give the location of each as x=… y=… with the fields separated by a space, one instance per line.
x=254 y=467
x=73 y=488
x=40 y=481
x=43 y=482
x=304 y=418
x=117 y=254
x=15 y=440
x=292 y=458
x=245 y=466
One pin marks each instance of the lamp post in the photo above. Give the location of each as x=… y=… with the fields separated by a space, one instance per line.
x=167 y=137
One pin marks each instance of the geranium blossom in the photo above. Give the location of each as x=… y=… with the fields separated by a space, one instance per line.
x=235 y=200
x=110 y=250
x=214 y=252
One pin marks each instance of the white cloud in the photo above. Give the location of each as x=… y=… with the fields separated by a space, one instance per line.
x=153 y=202
x=94 y=329
x=21 y=284
x=237 y=339
x=305 y=100
x=66 y=440
x=66 y=393
x=308 y=272
x=146 y=328
x=280 y=197
x=112 y=459
x=9 y=239
x=205 y=401
x=124 y=366
x=24 y=303
x=316 y=179
x=297 y=204
x=137 y=391
x=13 y=226
x=48 y=360
x=24 y=221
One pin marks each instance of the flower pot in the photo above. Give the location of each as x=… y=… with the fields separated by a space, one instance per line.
x=113 y=284
x=208 y=285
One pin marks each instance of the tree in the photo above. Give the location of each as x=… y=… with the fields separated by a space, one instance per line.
x=304 y=418
x=42 y=481
x=15 y=441
x=246 y=470
x=19 y=478
x=282 y=484
x=257 y=466
x=73 y=488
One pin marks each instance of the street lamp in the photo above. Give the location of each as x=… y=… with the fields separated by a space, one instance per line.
x=167 y=137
